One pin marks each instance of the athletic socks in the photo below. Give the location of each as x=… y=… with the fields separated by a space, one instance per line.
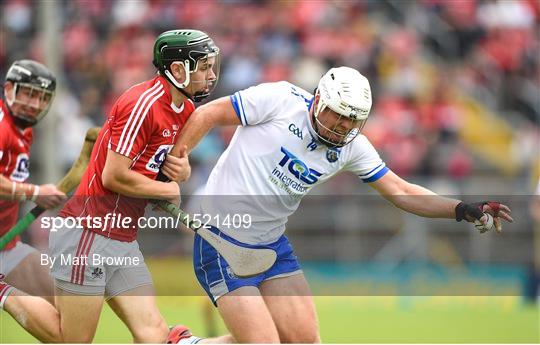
x=191 y=340
x=5 y=290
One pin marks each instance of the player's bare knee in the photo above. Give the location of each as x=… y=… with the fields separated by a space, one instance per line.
x=155 y=331
x=55 y=338
x=301 y=335
x=302 y=339
x=258 y=337
x=80 y=338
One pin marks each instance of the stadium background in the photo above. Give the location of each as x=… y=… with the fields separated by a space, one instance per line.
x=456 y=88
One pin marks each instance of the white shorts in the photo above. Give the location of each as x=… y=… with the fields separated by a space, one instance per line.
x=11 y=258
x=86 y=263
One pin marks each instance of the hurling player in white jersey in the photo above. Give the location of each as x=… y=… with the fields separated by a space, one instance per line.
x=287 y=142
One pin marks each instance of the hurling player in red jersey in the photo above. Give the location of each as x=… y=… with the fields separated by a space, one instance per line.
x=97 y=258
x=28 y=92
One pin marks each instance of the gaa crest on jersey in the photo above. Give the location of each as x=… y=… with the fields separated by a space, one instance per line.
x=158 y=158
x=332 y=154
x=21 y=171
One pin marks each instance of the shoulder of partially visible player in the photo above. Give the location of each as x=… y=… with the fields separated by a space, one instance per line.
x=2 y=114
x=6 y=130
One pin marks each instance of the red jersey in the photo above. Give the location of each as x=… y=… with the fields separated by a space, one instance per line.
x=143 y=125
x=14 y=163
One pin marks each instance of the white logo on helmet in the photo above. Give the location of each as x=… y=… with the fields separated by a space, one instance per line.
x=44 y=82
x=22 y=70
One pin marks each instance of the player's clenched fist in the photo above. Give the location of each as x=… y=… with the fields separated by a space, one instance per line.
x=49 y=196
x=177 y=168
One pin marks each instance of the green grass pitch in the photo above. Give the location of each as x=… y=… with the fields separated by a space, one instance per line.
x=344 y=319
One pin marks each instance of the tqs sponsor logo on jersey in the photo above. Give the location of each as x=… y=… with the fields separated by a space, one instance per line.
x=157 y=159
x=21 y=171
x=166 y=133
x=298 y=168
x=296 y=131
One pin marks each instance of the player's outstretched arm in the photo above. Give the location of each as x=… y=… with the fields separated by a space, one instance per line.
x=216 y=113
x=423 y=202
x=119 y=178
x=219 y=112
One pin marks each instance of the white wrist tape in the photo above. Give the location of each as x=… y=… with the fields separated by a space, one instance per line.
x=23 y=195
x=13 y=189
x=36 y=193
x=5 y=290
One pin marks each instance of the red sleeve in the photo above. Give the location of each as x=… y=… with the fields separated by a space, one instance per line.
x=3 y=145
x=130 y=125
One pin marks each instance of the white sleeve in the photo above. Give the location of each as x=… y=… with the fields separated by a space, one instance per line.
x=258 y=104
x=364 y=161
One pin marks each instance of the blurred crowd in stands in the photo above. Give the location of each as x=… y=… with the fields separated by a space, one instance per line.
x=420 y=57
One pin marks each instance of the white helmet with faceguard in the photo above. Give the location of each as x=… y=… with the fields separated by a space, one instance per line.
x=29 y=91
x=346 y=92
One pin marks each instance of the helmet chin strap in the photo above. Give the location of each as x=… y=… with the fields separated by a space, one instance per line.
x=322 y=140
x=314 y=126
x=185 y=93
x=20 y=122
x=181 y=86
x=197 y=96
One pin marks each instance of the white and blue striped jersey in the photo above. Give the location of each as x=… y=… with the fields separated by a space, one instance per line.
x=273 y=160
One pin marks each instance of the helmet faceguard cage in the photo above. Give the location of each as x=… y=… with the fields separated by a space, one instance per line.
x=347 y=93
x=193 y=50
x=32 y=92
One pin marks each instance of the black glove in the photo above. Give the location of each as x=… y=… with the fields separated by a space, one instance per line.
x=473 y=210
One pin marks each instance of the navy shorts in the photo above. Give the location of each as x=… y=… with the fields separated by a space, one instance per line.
x=216 y=277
